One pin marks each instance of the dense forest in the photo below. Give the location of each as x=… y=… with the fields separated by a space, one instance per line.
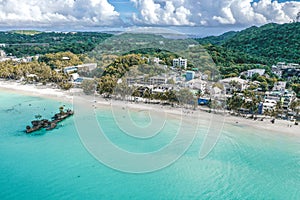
x=267 y=44
x=29 y=43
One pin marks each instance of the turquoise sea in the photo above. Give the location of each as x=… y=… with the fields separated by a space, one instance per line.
x=245 y=164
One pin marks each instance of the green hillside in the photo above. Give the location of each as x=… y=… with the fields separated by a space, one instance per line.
x=273 y=41
x=217 y=40
x=268 y=44
x=20 y=43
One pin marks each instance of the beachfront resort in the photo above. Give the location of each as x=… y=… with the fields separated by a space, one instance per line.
x=255 y=93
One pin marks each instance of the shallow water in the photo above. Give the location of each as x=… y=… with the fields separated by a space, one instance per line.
x=245 y=163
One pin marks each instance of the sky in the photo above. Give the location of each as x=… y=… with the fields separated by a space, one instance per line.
x=196 y=17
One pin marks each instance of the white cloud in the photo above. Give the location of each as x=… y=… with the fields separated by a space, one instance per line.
x=162 y=12
x=214 y=12
x=278 y=12
x=57 y=12
x=85 y=13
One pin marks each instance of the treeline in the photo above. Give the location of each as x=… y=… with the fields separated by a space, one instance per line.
x=20 y=45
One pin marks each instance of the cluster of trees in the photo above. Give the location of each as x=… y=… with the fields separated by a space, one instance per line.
x=182 y=97
x=266 y=83
x=61 y=59
x=33 y=72
x=15 y=70
x=294 y=83
x=108 y=81
x=42 y=70
x=249 y=100
x=22 y=44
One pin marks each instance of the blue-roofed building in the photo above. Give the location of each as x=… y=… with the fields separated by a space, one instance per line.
x=203 y=101
x=189 y=75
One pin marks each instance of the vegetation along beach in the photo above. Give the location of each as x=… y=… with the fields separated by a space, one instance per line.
x=150 y=99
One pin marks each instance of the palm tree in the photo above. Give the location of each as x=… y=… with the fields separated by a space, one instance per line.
x=185 y=97
x=236 y=86
x=171 y=97
x=255 y=99
x=295 y=106
x=278 y=109
x=235 y=103
x=146 y=94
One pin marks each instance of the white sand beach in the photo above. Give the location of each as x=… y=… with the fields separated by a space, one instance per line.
x=280 y=126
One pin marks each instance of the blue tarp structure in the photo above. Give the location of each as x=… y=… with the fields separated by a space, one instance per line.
x=202 y=101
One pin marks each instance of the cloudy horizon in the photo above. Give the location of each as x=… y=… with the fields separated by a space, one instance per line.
x=187 y=16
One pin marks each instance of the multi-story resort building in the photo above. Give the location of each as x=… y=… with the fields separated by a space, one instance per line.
x=180 y=62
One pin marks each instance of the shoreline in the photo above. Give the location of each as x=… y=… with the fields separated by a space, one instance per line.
x=280 y=126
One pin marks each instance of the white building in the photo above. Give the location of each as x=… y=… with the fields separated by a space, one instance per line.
x=228 y=82
x=269 y=106
x=65 y=58
x=280 y=86
x=135 y=80
x=180 y=62
x=273 y=101
x=158 y=80
x=251 y=72
x=87 y=67
x=155 y=80
x=2 y=54
x=74 y=76
x=156 y=60
x=283 y=65
x=277 y=70
x=70 y=70
x=196 y=84
x=161 y=88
